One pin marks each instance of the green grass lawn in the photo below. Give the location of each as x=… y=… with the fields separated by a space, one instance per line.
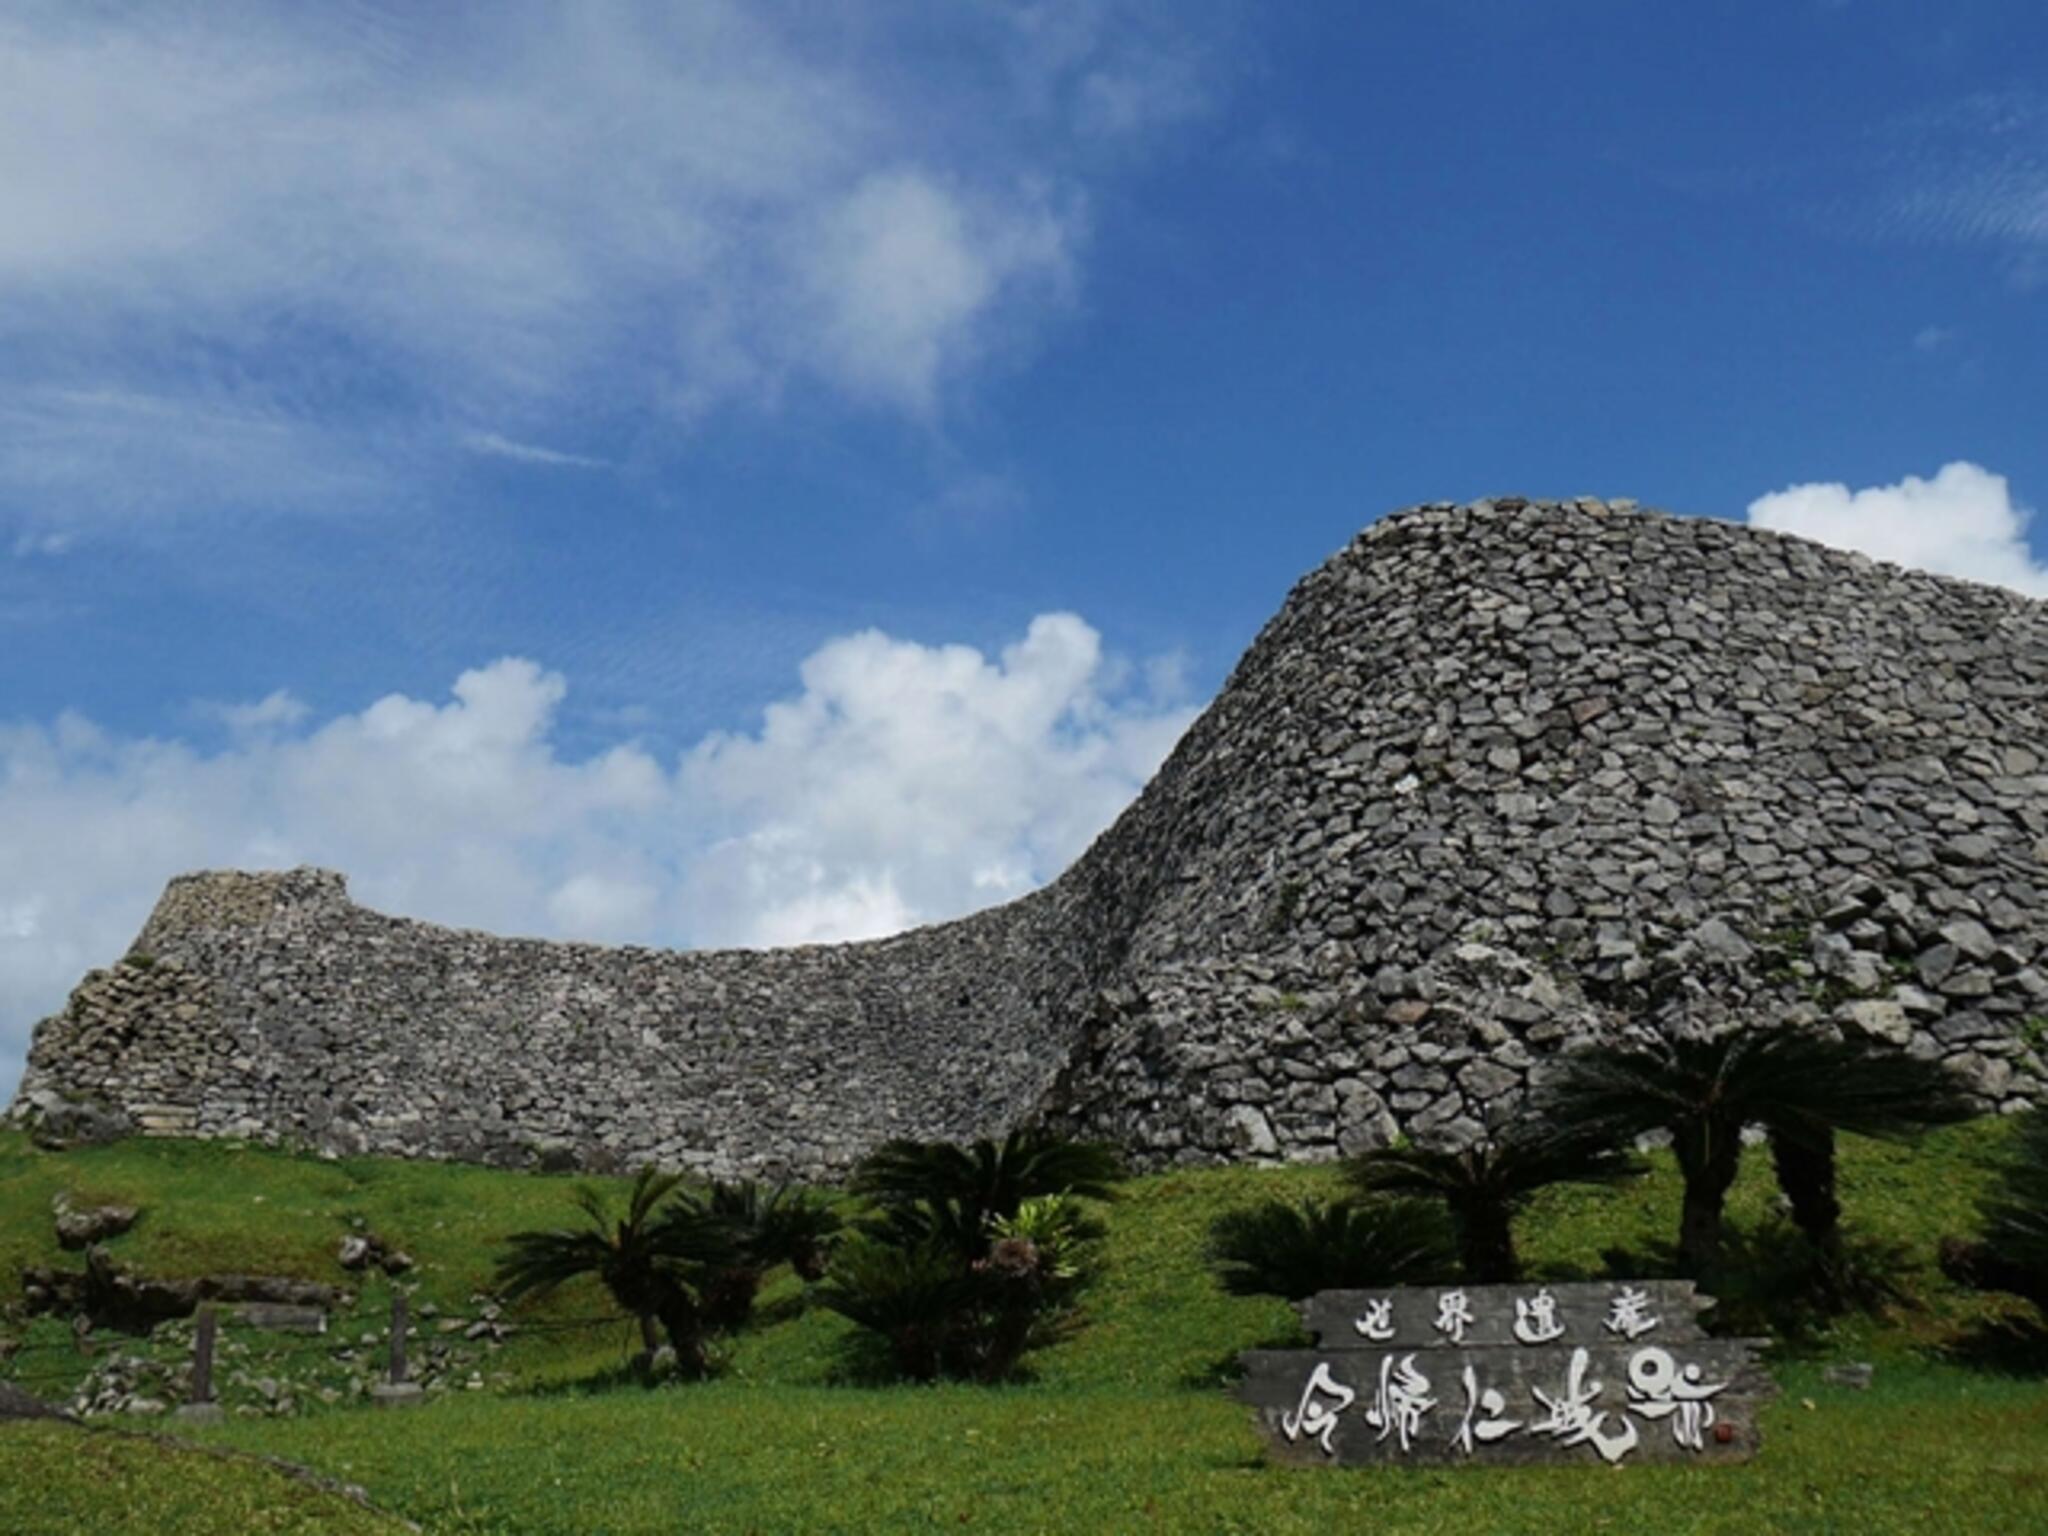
x=55 y=1481
x=1124 y=1426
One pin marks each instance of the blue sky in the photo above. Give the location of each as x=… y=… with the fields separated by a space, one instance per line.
x=745 y=473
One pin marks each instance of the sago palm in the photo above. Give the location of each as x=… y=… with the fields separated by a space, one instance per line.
x=1482 y=1186
x=1279 y=1248
x=645 y=1259
x=767 y=1227
x=915 y=1295
x=951 y=1193
x=1800 y=1086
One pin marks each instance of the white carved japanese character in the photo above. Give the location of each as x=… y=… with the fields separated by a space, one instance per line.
x=1536 y=1320
x=1658 y=1389
x=1573 y=1419
x=1491 y=1426
x=1629 y=1313
x=1453 y=1315
x=1313 y=1417
x=1402 y=1400
x=1376 y=1322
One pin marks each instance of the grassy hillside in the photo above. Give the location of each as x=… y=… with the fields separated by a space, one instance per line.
x=60 y=1482
x=1124 y=1426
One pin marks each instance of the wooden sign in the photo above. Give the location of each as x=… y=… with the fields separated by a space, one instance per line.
x=1597 y=1372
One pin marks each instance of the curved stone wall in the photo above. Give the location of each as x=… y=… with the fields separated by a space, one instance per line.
x=1496 y=777
x=271 y=1006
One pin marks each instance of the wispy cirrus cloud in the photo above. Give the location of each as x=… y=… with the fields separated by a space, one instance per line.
x=276 y=225
x=491 y=445
x=1973 y=171
x=87 y=457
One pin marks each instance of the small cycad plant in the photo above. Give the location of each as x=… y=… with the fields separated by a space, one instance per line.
x=653 y=1259
x=770 y=1226
x=1483 y=1185
x=974 y=1255
x=1297 y=1248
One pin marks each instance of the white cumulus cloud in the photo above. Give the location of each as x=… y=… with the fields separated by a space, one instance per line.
x=909 y=780
x=1962 y=522
x=276 y=709
x=902 y=783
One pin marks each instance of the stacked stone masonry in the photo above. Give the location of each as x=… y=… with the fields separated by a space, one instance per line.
x=1498 y=778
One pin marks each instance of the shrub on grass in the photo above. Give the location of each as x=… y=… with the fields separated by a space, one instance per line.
x=654 y=1261
x=1038 y=1263
x=913 y=1295
x=1283 y=1248
x=975 y=1254
x=1482 y=1186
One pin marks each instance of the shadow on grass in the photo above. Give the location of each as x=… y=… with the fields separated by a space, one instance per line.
x=864 y=1359
x=782 y=1309
x=1772 y=1282
x=623 y=1377
x=2014 y=1345
x=1224 y=1371
x=630 y=1374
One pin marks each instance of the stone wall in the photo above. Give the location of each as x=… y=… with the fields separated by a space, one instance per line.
x=270 y=1006
x=1495 y=778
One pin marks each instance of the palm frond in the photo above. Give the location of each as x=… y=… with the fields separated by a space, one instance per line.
x=539 y=1262
x=994 y=1177
x=1808 y=1085
x=682 y=1235
x=1483 y=1185
x=649 y=1190
x=779 y=1225
x=1504 y=1171
x=1279 y=1248
x=885 y=1286
x=942 y=1190
x=1793 y=1080
x=916 y=1296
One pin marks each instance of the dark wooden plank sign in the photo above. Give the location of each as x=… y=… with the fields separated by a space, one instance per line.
x=1600 y=1372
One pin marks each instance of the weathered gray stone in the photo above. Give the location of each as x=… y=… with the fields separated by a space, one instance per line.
x=1918 y=1004
x=1989 y=1075
x=1880 y=1020
x=1251 y=1132
x=1329 y=1405
x=81 y=1228
x=1936 y=964
x=1970 y=937
x=1486 y=1081
x=355 y=1251
x=58 y=1121
x=1718 y=941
